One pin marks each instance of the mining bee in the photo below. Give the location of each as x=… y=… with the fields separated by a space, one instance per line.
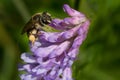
x=35 y=24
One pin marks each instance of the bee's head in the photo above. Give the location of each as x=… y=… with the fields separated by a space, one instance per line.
x=46 y=18
x=36 y=17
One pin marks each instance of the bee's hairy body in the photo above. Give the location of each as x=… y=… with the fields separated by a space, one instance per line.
x=35 y=24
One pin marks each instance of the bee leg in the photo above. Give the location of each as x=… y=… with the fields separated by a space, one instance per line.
x=38 y=32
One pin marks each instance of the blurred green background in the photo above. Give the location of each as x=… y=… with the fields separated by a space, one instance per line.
x=99 y=57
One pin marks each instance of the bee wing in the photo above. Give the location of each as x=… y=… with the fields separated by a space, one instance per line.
x=28 y=26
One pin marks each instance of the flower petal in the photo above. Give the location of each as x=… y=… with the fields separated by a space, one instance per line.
x=67 y=74
x=44 y=51
x=71 y=12
x=28 y=77
x=28 y=58
x=57 y=36
x=60 y=49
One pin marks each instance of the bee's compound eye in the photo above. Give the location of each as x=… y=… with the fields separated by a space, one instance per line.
x=46 y=14
x=46 y=18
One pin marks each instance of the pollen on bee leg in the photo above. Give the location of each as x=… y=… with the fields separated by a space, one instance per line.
x=34 y=31
x=32 y=39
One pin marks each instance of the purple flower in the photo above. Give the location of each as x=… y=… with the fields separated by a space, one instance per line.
x=54 y=52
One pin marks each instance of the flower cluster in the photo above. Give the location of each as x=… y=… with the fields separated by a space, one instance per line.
x=54 y=52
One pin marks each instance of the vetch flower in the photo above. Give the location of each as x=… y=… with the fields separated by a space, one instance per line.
x=54 y=52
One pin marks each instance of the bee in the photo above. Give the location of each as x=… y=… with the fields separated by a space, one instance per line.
x=35 y=24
